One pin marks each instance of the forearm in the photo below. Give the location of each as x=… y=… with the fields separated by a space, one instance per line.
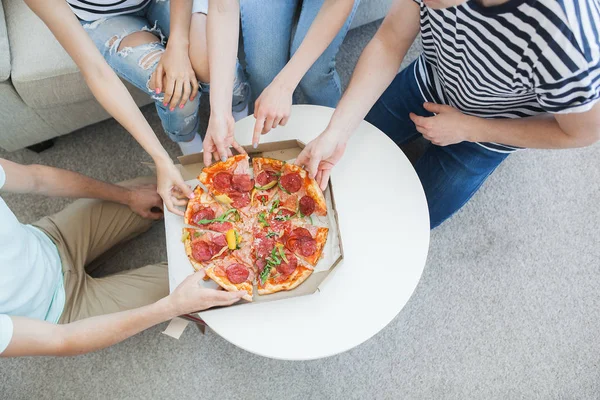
x=222 y=38
x=181 y=16
x=330 y=19
x=86 y=335
x=539 y=132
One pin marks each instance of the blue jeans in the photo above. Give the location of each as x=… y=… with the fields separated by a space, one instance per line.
x=450 y=175
x=136 y=65
x=269 y=43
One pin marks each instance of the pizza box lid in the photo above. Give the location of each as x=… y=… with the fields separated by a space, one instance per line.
x=190 y=167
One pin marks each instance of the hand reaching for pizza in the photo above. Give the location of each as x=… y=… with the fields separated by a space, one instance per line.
x=272 y=108
x=171 y=186
x=448 y=126
x=220 y=138
x=321 y=154
x=190 y=296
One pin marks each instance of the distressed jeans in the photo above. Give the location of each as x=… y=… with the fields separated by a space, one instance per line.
x=137 y=64
x=270 y=41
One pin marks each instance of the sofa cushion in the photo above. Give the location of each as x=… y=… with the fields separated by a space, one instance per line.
x=4 y=48
x=42 y=71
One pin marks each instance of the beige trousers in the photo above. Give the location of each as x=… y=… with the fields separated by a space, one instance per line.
x=83 y=232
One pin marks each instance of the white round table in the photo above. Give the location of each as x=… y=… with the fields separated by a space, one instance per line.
x=384 y=226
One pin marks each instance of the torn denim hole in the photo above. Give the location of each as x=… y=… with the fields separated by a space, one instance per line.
x=94 y=24
x=150 y=59
x=156 y=30
x=113 y=43
x=125 y=51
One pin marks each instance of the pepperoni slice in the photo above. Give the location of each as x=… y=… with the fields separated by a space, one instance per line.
x=307 y=247
x=289 y=267
x=219 y=240
x=300 y=232
x=237 y=273
x=285 y=212
x=220 y=226
x=291 y=182
x=307 y=205
x=266 y=177
x=222 y=181
x=265 y=246
x=201 y=251
x=242 y=183
x=240 y=200
x=203 y=213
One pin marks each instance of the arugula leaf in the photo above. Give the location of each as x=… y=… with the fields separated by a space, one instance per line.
x=282 y=188
x=311 y=220
x=222 y=218
x=274 y=206
x=282 y=253
x=272 y=234
x=262 y=219
x=265 y=273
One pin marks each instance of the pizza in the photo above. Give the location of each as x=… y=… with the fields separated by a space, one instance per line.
x=254 y=227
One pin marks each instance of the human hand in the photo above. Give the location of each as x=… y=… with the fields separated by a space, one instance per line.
x=145 y=201
x=272 y=108
x=219 y=138
x=175 y=76
x=171 y=186
x=190 y=296
x=448 y=126
x=321 y=154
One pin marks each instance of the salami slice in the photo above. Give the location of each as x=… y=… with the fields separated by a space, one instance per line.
x=291 y=182
x=220 y=226
x=264 y=247
x=266 y=177
x=222 y=181
x=240 y=200
x=203 y=213
x=307 y=205
x=237 y=273
x=219 y=240
x=307 y=247
x=300 y=232
x=242 y=183
x=289 y=267
x=201 y=251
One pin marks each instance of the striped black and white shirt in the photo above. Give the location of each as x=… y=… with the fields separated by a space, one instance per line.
x=518 y=59
x=94 y=10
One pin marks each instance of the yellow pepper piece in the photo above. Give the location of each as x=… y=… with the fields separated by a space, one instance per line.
x=223 y=198
x=185 y=235
x=231 y=239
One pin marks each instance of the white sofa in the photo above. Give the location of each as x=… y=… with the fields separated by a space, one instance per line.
x=44 y=95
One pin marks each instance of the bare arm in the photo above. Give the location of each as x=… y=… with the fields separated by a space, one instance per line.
x=375 y=70
x=35 y=338
x=109 y=90
x=222 y=37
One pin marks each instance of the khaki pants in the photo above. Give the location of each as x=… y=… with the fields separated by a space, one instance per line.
x=83 y=232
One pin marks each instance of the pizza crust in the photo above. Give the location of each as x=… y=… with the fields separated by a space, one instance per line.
x=321 y=238
x=300 y=274
x=188 y=250
x=225 y=283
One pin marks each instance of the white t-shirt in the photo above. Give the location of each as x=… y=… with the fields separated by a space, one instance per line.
x=31 y=278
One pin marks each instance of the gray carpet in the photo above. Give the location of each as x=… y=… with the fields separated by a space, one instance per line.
x=507 y=308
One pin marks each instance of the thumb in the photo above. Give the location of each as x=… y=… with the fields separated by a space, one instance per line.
x=199 y=275
x=185 y=189
x=303 y=157
x=433 y=107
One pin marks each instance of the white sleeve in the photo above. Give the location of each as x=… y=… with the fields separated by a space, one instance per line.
x=2 y=177
x=6 y=330
x=200 y=6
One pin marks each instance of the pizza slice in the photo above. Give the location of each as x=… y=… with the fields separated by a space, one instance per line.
x=232 y=275
x=230 y=182
x=306 y=241
x=203 y=247
x=296 y=186
x=279 y=270
x=205 y=212
x=266 y=176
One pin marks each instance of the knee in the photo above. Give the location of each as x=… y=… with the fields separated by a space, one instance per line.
x=199 y=62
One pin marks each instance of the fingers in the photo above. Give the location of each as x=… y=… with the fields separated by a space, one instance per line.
x=177 y=94
x=169 y=90
x=185 y=189
x=258 y=128
x=433 y=107
x=237 y=146
x=223 y=298
x=158 y=78
x=284 y=121
x=303 y=157
x=418 y=120
x=199 y=274
x=324 y=179
x=195 y=88
x=276 y=122
x=180 y=202
x=207 y=150
x=187 y=89
x=155 y=215
x=170 y=206
x=268 y=125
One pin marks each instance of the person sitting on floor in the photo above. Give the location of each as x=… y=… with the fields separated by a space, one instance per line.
x=45 y=267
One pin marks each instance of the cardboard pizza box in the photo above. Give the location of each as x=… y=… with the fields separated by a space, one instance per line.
x=190 y=167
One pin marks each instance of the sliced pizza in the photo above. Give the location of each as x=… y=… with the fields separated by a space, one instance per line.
x=297 y=190
x=230 y=182
x=201 y=247
x=205 y=212
x=280 y=270
x=306 y=241
x=232 y=275
x=266 y=176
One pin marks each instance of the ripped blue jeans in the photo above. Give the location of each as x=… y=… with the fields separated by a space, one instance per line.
x=137 y=64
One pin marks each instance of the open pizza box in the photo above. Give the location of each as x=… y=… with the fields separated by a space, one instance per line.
x=179 y=265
